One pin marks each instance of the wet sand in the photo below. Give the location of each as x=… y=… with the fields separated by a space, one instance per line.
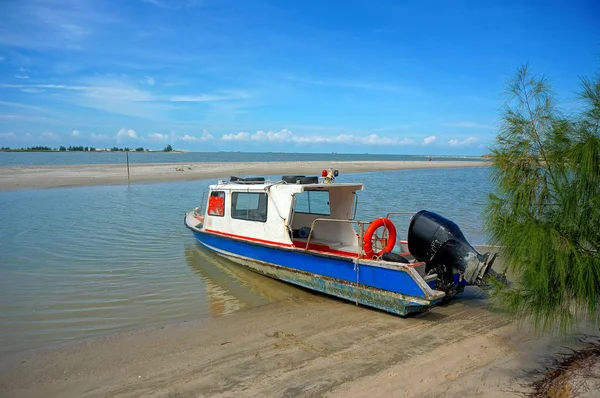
x=308 y=346
x=29 y=177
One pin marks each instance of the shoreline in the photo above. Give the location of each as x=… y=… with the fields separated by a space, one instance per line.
x=35 y=177
x=308 y=345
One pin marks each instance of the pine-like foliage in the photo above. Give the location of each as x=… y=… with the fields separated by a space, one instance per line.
x=546 y=207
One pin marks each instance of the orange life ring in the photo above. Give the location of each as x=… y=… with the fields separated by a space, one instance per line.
x=368 y=245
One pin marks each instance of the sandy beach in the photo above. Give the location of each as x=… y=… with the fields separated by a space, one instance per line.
x=309 y=345
x=30 y=177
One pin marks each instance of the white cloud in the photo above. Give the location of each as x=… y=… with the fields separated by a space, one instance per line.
x=121 y=95
x=105 y=89
x=106 y=94
x=429 y=140
x=286 y=135
x=32 y=90
x=188 y=138
x=25 y=106
x=317 y=139
x=206 y=136
x=341 y=138
x=149 y=81
x=22 y=76
x=280 y=136
x=236 y=137
x=8 y=135
x=158 y=137
x=126 y=134
x=49 y=136
x=406 y=141
x=371 y=139
x=53 y=24
x=455 y=142
x=123 y=91
x=75 y=133
x=98 y=137
x=374 y=139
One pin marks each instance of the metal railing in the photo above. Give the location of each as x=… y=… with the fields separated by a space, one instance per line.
x=360 y=224
x=412 y=213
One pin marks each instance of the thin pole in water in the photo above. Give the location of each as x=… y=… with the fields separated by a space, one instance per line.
x=128 y=167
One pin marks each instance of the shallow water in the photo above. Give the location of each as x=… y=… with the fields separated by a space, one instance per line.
x=88 y=261
x=69 y=158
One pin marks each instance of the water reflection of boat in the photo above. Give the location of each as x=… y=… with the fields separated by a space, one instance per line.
x=230 y=287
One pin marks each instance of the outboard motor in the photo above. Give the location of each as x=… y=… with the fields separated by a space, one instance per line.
x=441 y=244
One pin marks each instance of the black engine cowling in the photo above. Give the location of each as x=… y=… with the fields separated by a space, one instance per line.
x=441 y=244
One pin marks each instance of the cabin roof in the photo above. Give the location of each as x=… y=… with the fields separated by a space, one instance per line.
x=329 y=187
x=294 y=188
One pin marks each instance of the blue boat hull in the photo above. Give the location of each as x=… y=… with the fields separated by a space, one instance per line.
x=397 y=290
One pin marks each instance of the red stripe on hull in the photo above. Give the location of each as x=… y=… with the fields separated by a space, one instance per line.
x=297 y=244
x=300 y=245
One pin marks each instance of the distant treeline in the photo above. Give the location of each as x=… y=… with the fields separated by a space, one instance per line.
x=126 y=149
x=40 y=148
x=29 y=149
x=77 y=149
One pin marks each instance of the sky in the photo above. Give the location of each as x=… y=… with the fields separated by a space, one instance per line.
x=353 y=76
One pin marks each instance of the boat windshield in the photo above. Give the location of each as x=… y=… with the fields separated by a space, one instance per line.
x=313 y=202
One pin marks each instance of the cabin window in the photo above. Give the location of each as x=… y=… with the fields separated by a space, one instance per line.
x=313 y=202
x=216 y=204
x=251 y=206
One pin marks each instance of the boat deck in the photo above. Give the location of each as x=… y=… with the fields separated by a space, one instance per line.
x=327 y=246
x=335 y=248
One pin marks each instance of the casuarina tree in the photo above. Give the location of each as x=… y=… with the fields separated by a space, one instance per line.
x=545 y=210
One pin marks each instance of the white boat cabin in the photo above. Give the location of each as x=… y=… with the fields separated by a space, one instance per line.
x=283 y=213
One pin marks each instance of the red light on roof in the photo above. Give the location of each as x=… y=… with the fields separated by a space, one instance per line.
x=324 y=173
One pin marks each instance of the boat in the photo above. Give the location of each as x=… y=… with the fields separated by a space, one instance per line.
x=303 y=230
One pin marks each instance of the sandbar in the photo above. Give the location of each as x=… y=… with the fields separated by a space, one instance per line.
x=32 y=177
